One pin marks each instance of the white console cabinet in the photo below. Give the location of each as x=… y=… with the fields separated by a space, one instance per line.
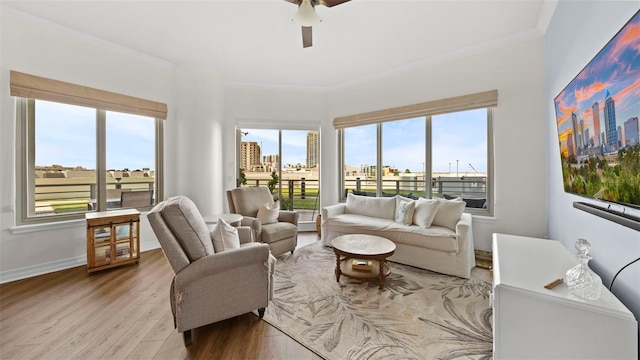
x=531 y=322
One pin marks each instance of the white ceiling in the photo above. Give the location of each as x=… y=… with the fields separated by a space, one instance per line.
x=255 y=41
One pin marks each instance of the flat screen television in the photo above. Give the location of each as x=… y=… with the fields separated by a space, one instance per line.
x=598 y=129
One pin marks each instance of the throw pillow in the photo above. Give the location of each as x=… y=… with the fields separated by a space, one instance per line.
x=379 y=207
x=449 y=213
x=425 y=212
x=225 y=237
x=404 y=210
x=268 y=213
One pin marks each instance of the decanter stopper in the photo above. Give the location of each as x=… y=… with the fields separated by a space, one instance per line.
x=581 y=281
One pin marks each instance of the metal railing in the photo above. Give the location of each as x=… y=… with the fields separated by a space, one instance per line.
x=77 y=197
x=301 y=195
x=473 y=190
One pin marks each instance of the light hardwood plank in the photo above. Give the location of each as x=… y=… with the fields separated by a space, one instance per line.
x=124 y=313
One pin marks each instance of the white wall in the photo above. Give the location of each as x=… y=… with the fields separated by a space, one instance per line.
x=577 y=32
x=42 y=49
x=517 y=73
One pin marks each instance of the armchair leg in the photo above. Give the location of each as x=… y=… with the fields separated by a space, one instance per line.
x=186 y=337
x=261 y=313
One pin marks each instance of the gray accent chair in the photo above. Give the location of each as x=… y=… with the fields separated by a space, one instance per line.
x=209 y=286
x=281 y=236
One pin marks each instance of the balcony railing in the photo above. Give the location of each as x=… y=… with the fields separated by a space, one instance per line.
x=76 y=196
x=473 y=190
x=301 y=195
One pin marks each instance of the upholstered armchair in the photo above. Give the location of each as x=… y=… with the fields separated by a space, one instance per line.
x=281 y=235
x=212 y=282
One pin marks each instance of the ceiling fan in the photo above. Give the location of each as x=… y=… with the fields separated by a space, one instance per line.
x=306 y=15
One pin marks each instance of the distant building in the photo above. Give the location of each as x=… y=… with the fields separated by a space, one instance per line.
x=570 y=149
x=250 y=156
x=596 y=123
x=610 y=121
x=583 y=138
x=576 y=138
x=620 y=135
x=270 y=163
x=313 y=145
x=631 y=132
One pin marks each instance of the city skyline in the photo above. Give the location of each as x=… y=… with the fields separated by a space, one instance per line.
x=614 y=71
x=457 y=139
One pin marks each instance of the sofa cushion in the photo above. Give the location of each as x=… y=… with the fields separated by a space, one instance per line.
x=449 y=212
x=379 y=207
x=278 y=231
x=268 y=213
x=225 y=237
x=435 y=237
x=425 y=212
x=404 y=210
x=188 y=226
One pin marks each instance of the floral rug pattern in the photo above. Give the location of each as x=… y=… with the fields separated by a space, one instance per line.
x=418 y=315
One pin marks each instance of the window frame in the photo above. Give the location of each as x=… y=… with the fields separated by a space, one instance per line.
x=25 y=163
x=248 y=126
x=489 y=211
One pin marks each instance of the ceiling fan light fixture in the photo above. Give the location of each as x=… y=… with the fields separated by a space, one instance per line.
x=306 y=14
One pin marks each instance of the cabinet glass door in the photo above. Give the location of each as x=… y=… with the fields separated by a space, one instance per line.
x=102 y=245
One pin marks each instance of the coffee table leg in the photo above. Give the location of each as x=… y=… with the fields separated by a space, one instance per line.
x=381 y=275
x=338 y=272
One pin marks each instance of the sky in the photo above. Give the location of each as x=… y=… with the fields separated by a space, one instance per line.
x=616 y=68
x=458 y=138
x=66 y=135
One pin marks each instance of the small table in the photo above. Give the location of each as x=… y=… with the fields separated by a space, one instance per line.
x=231 y=219
x=363 y=247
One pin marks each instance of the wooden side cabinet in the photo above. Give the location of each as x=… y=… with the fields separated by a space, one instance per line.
x=113 y=239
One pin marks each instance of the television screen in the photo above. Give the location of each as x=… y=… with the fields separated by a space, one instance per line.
x=597 y=118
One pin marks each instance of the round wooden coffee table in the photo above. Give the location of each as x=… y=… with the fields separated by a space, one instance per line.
x=365 y=248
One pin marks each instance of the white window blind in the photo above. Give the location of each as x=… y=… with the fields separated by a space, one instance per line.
x=460 y=103
x=40 y=88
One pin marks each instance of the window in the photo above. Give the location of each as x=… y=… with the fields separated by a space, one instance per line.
x=403 y=154
x=459 y=157
x=294 y=181
x=360 y=150
x=75 y=158
x=445 y=153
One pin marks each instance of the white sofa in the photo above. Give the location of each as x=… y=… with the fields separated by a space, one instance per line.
x=432 y=234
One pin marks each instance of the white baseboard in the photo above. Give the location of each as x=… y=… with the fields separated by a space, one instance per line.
x=62 y=264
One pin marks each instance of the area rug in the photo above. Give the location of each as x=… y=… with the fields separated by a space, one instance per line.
x=418 y=315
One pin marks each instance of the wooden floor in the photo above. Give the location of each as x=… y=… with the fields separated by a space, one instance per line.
x=124 y=313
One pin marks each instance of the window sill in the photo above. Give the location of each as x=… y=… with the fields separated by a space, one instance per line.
x=53 y=225
x=28 y=228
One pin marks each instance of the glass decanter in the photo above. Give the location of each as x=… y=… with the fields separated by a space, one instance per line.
x=583 y=282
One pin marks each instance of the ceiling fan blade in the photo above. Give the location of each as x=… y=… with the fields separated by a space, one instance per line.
x=306 y=36
x=330 y=3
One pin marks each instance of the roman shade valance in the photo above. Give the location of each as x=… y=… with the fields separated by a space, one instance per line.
x=40 y=88
x=429 y=108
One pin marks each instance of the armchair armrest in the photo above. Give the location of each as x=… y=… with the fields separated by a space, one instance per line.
x=288 y=216
x=254 y=224
x=245 y=234
x=218 y=263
